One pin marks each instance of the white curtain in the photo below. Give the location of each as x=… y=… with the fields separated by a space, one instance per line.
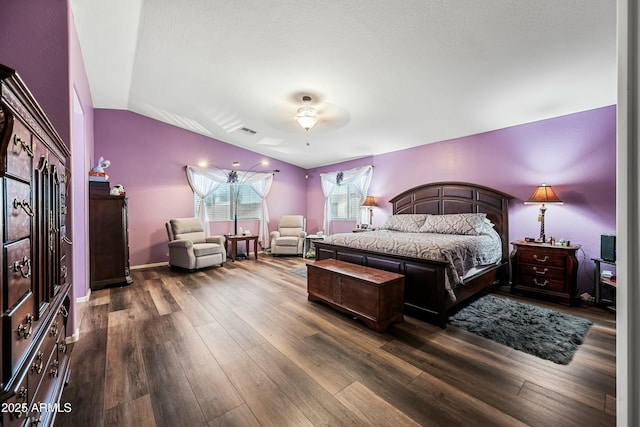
x=261 y=183
x=359 y=177
x=214 y=177
x=204 y=188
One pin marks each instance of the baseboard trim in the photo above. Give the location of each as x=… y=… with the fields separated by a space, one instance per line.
x=84 y=298
x=73 y=338
x=156 y=264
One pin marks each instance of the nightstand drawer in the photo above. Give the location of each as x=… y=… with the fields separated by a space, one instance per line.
x=542 y=258
x=543 y=271
x=538 y=283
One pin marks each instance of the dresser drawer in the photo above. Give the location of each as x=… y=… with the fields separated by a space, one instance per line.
x=19 y=268
x=16 y=408
x=19 y=209
x=19 y=327
x=40 y=366
x=20 y=152
x=542 y=258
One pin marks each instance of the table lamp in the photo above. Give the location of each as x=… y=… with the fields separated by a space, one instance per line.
x=543 y=194
x=370 y=202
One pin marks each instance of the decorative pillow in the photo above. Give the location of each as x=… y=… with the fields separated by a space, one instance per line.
x=408 y=223
x=470 y=224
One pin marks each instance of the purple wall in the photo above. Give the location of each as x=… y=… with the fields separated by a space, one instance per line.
x=575 y=154
x=39 y=40
x=148 y=159
x=34 y=38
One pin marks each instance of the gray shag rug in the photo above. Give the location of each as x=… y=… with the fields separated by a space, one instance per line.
x=299 y=271
x=542 y=332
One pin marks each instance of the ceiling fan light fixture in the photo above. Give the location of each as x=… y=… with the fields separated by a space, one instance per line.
x=307 y=116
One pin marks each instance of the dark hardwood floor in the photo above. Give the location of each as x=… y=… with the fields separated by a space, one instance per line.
x=241 y=345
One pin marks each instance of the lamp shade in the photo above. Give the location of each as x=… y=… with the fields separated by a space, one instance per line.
x=369 y=201
x=543 y=194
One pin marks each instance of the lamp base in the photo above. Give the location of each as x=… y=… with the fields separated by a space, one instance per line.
x=541 y=219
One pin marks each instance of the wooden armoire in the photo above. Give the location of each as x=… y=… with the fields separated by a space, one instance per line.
x=36 y=257
x=108 y=239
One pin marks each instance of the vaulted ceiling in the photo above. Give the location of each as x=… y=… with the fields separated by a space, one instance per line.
x=383 y=74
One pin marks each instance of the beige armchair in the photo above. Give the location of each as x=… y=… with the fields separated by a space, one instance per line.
x=189 y=247
x=289 y=239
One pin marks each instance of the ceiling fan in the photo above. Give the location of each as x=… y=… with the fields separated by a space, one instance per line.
x=306 y=113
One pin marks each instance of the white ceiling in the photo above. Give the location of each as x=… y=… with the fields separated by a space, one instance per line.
x=383 y=74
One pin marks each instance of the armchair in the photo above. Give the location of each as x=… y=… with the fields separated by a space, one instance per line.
x=189 y=247
x=289 y=238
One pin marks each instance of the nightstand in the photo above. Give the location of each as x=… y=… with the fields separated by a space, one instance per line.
x=544 y=269
x=308 y=250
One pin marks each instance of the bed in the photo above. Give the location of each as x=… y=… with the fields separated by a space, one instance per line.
x=432 y=290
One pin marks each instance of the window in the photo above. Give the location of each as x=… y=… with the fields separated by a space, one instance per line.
x=345 y=202
x=221 y=204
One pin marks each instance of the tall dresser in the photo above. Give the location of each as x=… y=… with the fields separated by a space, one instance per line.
x=36 y=256
x=108 y=240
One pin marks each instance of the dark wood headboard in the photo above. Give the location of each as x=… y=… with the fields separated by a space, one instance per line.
x=458 y=197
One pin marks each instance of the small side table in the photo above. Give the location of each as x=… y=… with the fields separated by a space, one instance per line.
x=599 y=280
x=233 y=242
x=309 y=250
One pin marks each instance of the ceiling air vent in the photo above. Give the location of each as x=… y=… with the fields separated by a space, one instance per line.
x=247 y=131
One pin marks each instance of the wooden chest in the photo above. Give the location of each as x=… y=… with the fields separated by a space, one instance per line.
x=374 y=296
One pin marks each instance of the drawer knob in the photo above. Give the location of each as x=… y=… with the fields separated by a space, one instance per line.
x=62 y=347
x=545 y=283
x=63 y=310
x=54 y=370
x=22 y=394
x=23 y=266
x=38 y=364
x=25 y=331
x=546 y=257
x=54 y=329
x=24 y=204
x=541 y=272
x=24 y=145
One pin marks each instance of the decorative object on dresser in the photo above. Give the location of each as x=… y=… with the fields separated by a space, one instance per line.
x=108 y=238
x=374 y=296
x=543 y=269
x=427 y=292
x=543 y=194
x=34 y=364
